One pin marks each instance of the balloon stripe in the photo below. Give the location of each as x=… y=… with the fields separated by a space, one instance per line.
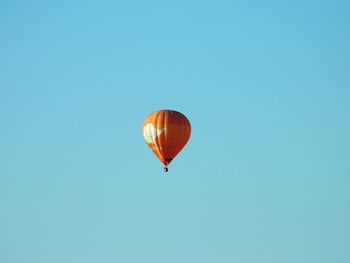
x=165 y=137
x=158 y=127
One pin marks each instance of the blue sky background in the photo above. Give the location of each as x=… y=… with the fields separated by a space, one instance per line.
x=265 y=177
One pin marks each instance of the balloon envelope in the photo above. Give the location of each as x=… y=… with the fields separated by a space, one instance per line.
x=166 y=133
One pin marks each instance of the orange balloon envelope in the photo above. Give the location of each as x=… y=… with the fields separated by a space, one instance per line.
x=166 y=133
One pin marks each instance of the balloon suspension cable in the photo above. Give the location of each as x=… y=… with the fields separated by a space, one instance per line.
x=165 y=169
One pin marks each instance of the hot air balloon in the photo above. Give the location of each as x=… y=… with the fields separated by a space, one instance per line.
x=166 y=133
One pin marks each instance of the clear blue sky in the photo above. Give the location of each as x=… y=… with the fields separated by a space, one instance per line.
x=265 y=177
